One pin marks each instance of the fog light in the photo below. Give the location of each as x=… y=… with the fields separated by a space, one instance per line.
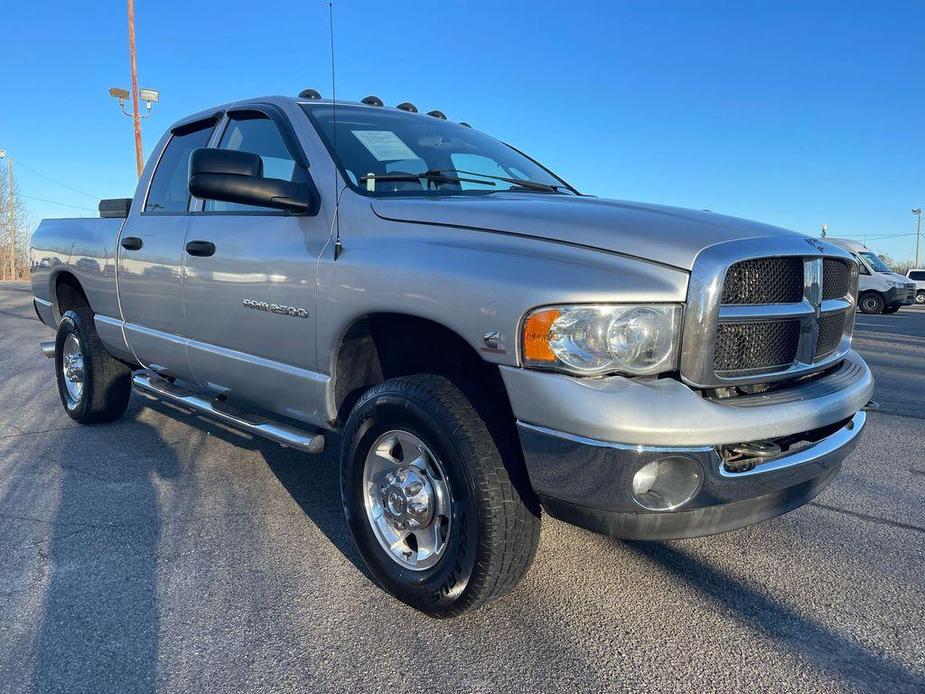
x=667 y=483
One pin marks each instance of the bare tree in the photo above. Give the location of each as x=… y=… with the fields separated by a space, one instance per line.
x=22 y=223
x=900 y=266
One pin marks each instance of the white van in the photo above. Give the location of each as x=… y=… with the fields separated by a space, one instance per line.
x=880 y=290
x=917 y=275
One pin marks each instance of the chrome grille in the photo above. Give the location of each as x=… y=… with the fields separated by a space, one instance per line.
x=754 y=348
x=836 y=279
x=766 y=309
x=764 y=281
x=831 y=329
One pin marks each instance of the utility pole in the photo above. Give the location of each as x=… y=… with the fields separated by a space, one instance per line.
x=918 y=232
x=149 y=96
x=136 y=117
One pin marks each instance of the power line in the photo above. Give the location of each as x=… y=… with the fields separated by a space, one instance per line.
x=49 y=178
x=55 y=202
x=889 y=236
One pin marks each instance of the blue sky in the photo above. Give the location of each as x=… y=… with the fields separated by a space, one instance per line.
x=793 y=113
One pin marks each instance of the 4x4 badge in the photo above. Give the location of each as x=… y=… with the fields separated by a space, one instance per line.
x=816 y=244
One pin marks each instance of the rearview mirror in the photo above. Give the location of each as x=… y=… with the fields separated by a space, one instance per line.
x=231 y=176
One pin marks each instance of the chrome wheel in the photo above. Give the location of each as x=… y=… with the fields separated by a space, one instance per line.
x=407 y=499
x=72 y=364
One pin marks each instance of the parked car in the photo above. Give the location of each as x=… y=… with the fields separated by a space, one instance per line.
x=917 y=275
x=485 y=340
x=880 y=289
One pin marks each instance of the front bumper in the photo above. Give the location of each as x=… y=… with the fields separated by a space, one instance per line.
x=588 y=483
x=899 y=296
x=582 y=467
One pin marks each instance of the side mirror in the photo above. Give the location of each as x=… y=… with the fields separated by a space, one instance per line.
x=232 y=176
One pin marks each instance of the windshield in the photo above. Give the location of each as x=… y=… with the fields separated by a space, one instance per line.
x=874 y=261
x=383 y=152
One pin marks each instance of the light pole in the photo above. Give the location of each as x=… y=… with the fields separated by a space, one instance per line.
x=918 y=231
x=149 y=96
x=12 y=225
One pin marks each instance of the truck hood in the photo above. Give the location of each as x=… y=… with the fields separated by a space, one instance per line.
x=668 y=235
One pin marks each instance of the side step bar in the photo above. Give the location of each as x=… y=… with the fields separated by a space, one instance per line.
x=48 y=348
x=309 y=442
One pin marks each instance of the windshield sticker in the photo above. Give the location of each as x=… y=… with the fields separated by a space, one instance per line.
x=384 y=145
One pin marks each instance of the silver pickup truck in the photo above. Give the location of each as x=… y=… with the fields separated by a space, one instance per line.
x=483 y=340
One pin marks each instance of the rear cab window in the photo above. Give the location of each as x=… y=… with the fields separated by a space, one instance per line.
x=169 y=189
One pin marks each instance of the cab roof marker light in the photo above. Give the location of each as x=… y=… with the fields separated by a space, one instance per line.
x=437 y=114
x=309 y=94
x=407 y=106
x=372 y=101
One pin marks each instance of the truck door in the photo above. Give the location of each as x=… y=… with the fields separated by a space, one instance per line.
x=249 y=294
x=150 y=279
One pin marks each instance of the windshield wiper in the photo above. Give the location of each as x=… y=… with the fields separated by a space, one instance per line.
x=433 y=175
x=442 y=175
x=522 y=182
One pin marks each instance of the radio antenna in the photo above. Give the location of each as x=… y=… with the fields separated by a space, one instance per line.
x=338 y=246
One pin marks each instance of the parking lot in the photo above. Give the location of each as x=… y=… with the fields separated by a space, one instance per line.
x=166 y=552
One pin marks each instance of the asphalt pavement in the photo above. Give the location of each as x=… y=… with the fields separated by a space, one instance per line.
x=165 y=552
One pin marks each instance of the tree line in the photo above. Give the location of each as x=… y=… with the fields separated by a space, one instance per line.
x=13 y=254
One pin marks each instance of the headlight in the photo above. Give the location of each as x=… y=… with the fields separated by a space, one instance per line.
x=898 y=285
x=594 y=339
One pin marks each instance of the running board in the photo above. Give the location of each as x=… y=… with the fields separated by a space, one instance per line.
x=309 y=442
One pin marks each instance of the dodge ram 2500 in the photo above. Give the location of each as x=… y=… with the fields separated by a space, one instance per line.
x=484 y=341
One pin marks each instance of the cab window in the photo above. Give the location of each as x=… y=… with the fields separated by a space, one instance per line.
x=169 y=190
x=257 y=134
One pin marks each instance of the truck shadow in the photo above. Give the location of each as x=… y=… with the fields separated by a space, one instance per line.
x=825 y=650
x=100 y=626
x=312 y=481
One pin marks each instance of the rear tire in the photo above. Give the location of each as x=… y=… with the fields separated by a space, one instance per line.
x=93 y=386
x=871 y=302
x=486 y=533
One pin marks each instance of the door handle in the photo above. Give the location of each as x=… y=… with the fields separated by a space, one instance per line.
x=132 y=243
x=202 y=249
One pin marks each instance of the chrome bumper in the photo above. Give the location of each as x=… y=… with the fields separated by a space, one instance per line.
x=589 y=483
x=666 y=412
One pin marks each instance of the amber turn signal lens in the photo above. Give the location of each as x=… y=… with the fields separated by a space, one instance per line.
x=536 y=336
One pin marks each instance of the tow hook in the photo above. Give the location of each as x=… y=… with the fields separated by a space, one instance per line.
x=872 y=406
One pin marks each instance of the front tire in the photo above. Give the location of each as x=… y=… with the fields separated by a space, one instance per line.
x=871 y=302
x=920 y=297
x=93 y=386
x=429 y=502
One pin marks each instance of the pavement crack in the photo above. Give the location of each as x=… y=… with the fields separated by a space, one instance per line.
x=16 y=315
x=872 y=519
x=43 y=431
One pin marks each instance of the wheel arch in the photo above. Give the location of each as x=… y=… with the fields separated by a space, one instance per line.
x=383 y=345
x=66 y=292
